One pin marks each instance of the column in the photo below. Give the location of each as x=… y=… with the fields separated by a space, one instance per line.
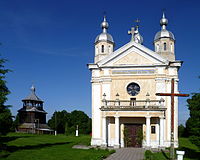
x=176 y=114
x=122 y=135
x=108 y=133
x=158 y=132
x=104 y=143
x=161 y=131
x=148 y=131
x=116 y=145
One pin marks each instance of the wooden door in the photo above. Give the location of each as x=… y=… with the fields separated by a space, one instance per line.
x=132 y=135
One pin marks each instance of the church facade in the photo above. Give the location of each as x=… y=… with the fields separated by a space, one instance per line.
x=125 y=109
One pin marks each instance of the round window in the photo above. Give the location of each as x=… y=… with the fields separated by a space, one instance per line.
x=133 y=89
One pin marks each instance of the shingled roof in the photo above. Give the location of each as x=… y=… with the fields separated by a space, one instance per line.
x=32 y=96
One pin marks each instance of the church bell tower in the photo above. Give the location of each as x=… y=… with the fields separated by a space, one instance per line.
x=164 y=41
x=104 y=43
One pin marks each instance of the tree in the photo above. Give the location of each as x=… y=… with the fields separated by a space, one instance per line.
x=5 y=114
x=82 y=120
x=16 y=123
x=193 y=123
x=58 y=121
x=65 y=122
x=181 y=131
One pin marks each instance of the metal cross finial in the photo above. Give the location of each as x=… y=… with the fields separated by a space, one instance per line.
x=104 y=13
x=137 y=21
x=164 y=10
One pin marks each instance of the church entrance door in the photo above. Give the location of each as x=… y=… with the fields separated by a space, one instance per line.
x=133 y=135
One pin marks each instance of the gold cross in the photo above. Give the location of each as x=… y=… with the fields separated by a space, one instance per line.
x=137 y=21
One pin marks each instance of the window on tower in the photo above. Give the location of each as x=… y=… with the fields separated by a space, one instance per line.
x=171 y=47
x=165 y=46
x=102 y=48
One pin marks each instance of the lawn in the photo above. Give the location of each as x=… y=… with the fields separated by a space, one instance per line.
x=18 y=146
x=192 y=152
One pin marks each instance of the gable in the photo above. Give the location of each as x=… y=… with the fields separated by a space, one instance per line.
x=133 y=58
x=132 y=54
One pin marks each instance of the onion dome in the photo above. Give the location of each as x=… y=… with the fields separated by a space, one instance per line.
x=164 y=33
x=104 y=36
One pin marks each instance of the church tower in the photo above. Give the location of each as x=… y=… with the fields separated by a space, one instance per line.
x=164 y=41
x=32 y=116
x=104 y=43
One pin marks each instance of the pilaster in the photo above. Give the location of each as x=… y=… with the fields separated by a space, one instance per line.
x=116 y=145
x=104 y=128
x=148 y=131
x=161 y=131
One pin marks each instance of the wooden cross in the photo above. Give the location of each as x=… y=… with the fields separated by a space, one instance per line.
x=172 y=95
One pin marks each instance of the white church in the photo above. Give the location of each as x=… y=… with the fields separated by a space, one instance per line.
x=125 y=109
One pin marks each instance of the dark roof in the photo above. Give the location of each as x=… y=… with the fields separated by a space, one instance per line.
x=33 y=109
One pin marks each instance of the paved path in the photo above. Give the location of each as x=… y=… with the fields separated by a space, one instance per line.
x=127 y=154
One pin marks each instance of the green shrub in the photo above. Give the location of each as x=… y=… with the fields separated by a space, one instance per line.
x=148 y=155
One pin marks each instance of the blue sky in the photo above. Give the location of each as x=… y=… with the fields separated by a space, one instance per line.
x=49 y=43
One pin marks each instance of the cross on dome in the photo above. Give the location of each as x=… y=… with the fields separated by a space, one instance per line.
x=164 y=33
x=104 y=36
x=32 y=88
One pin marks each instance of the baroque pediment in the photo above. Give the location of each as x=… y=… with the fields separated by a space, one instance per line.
x=133 y=58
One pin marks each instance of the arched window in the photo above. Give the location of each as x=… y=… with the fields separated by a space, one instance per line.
x=109 y=49
x=165 y=46
x=102 y=48
x=171 y=47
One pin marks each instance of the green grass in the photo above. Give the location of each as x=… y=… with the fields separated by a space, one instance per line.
x=18 y=146
x=156 y=156
x=192 y=152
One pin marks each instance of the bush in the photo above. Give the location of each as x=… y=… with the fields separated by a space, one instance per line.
x=148 y=155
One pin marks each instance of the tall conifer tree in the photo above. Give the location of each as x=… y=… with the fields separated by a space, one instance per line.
x=193 y=123
x=5 y=114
